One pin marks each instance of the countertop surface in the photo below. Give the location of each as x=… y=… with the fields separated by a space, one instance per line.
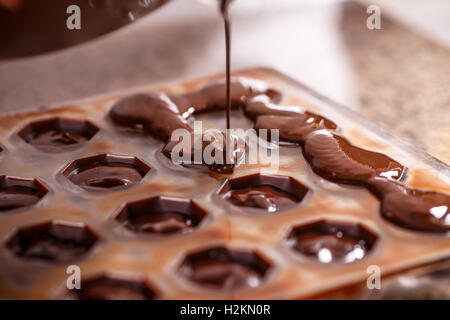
x=398 y=76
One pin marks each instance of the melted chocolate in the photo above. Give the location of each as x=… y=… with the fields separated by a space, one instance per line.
x=105 y=176
x=52 y=242
x=160 y=223
x=57 y=134
x=332 y=241
x=412 y=208
x=161 y=216
x=268 y=193
x=109 y=288
x=293 y=129
x=225 y=162
x=267 y=198
x=214 y=95
x=106 y=172
x=225 y=269
x=151 y=113
x=18 y=192
x=334 y=158
x=224 y=9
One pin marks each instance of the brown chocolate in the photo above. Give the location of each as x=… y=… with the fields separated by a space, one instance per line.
x=225 y=269
x=112 y=288
x=152 y=113
x=214 y=95
x=336 y=159
x=268 y=198
x=106 y=171
x=54 y=242
x=58 y=134
x=411 y=208
x=332 y=242
x=225 y=162
x=161 y=216
x=293 y=129
x=18 y=192
x=268 y=193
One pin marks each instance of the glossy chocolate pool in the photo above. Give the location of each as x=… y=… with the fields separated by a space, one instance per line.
x=161 y=216
x=332 y=242
x=224 y=269
x=266 y=193
x=58 y=134
x=106 y=171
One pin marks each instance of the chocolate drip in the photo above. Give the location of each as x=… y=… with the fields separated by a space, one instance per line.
x=152 y=113
x=224 y=8
x=229 y=157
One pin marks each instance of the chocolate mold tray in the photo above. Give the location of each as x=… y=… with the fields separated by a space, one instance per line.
x=104 y=226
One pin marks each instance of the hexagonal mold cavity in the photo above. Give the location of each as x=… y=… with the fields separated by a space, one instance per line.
x=106 y=172
x=263 y=192
x=58 y=134
x=222 y=268
x=113 y=287
x=161 y=216
x=332 y=241
x=53 y=241
x=16 y=192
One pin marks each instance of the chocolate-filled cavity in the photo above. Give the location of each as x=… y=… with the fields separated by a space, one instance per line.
x=211 y=143
x=52 y=242
x=18 y=192
x=332 y=242
x=107 y=287
x=57 y=134
x=411 y=208
x=161 y=216
x=222 y=268
x=336 y=159
x=266 y=193
x=106 y=171
x=153 y=113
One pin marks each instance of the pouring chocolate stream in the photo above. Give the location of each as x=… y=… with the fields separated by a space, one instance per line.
x=330 y=155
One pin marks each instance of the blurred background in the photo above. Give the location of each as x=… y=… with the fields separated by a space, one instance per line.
x=398 y=76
